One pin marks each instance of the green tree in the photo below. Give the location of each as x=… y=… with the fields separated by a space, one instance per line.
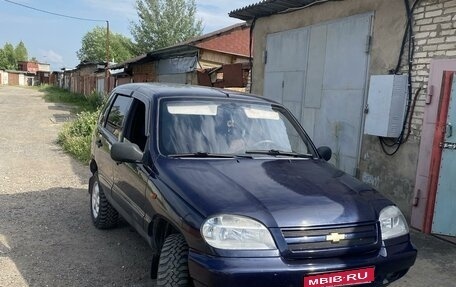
x=21 y=52
x=8 y=59
x=93 y=46
x=3 y=61
x=163 y=23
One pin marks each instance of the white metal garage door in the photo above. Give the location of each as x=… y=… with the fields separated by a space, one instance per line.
x=320 y=73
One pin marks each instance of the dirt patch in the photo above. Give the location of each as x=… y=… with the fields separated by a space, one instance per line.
x=46 y=234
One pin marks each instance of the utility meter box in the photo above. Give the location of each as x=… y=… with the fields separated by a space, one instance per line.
x=386 y=105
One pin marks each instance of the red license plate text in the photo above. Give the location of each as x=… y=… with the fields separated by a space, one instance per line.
x=341 y=278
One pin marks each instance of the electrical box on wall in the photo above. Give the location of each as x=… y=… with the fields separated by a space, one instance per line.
x=386 y=105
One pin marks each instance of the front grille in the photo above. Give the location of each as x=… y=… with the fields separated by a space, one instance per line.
x=314 y=242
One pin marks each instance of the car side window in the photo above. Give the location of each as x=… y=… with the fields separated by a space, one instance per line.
x=117 y=113
x=135 y=129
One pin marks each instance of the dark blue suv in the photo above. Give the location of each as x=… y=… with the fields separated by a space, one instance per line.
x=228 y=190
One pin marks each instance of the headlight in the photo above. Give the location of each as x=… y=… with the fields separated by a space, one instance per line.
x=392 y=223
x=236 y=232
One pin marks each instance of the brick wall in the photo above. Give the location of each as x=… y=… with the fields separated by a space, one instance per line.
x=435 y=38
x=13 y=79
x=234 y=42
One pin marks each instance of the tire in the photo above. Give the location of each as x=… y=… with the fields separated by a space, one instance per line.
x=173 y=263
x=104 y=215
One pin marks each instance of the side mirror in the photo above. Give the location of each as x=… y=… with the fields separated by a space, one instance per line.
x=325 y=152
x=126 y=152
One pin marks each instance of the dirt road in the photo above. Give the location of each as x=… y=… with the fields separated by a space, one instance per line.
x=46 y=234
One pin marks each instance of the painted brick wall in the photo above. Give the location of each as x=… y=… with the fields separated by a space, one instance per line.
x=235 y=42
x=435 y=38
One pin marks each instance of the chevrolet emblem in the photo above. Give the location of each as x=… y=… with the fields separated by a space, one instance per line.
x=335 y=237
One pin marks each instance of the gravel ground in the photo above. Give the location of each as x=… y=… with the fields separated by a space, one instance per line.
x=46 y=234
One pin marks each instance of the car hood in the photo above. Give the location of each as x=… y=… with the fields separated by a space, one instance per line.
x=278 y=192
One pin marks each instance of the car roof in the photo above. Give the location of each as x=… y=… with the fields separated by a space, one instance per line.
x=158 y=90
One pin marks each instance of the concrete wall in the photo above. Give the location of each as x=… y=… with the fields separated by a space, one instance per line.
x=388 y=27
x=393 y=176
x=435 y=38
x=3 y=78
x=44 y=67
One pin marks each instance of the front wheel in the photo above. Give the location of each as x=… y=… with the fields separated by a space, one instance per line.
x=103 y=214
x=173 y=263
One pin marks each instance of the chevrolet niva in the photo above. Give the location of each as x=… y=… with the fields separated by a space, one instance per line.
x=228 y=190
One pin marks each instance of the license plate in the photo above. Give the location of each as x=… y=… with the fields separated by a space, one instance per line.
x=341 y=278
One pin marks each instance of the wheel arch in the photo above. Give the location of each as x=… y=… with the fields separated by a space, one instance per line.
x=93 y=166
x=159 y=228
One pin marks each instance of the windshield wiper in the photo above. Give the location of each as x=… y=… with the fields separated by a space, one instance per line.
x=202 y=155
x=276 y=152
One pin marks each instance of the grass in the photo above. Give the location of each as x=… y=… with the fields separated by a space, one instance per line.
x=75 y=137
x=80 y=102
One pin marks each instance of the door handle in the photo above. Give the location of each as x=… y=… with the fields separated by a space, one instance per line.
x=449 y=130
x=98 y=143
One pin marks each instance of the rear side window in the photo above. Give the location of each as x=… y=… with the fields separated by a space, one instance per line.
x=135 y=128
x=117 y=114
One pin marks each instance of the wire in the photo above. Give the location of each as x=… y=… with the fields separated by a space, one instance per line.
x=55 y=14
x=408 y=36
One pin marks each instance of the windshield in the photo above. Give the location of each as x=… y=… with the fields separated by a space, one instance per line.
x=227 y=127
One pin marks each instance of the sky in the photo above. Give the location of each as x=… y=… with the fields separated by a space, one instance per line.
x=55 y=40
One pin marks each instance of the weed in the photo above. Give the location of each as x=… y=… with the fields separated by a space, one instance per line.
x=75 y=136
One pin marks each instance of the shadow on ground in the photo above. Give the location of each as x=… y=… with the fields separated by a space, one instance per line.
x=49 y=237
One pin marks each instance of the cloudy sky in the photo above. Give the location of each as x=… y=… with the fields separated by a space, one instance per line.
x=55 y=39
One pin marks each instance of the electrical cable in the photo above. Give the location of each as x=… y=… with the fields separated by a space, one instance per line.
x=55 y=14
x=408 y=37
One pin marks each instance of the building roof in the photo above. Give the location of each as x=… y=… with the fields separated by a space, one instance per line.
x=33 y=62
x=220 y=46
x=137 y=59
x=89 y=63
x=192 y=46
x=19 y=72
x=270 y=7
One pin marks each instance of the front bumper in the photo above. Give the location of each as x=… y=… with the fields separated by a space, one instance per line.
x=390 y=263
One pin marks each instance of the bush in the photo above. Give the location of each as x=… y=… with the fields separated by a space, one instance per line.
x=95 y=99
x=76 y=136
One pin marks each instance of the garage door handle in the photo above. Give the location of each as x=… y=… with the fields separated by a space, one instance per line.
x=449 y=130
x=99 y=143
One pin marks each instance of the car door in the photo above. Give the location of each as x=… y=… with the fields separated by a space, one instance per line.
x=108 y=132
x=130 y=178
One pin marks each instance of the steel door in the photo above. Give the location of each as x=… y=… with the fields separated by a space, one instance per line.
x=445 y=203
x=319 y=73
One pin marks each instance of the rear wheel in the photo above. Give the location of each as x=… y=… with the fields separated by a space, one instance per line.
x=173 y=263
x=103 y=214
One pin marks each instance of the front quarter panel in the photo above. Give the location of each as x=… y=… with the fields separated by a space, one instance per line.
x=163 y=202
